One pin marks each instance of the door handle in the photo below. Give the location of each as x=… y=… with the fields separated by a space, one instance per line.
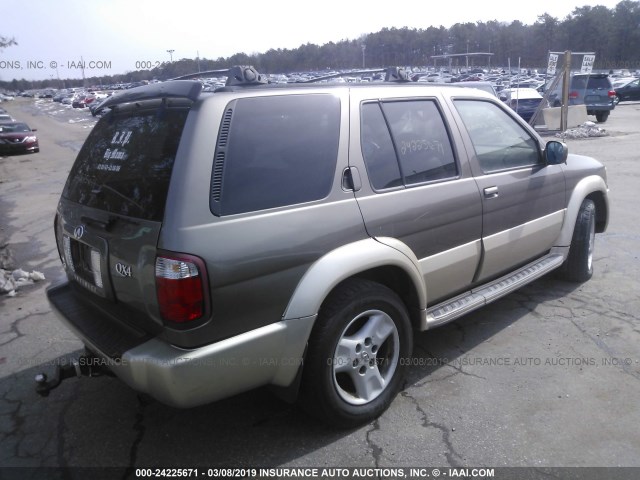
x=490 y=192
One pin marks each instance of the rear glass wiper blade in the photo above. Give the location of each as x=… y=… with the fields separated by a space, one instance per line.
x=116 y=192
x=98 y=187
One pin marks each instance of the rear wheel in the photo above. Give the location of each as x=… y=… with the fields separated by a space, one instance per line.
x=578 y=266
x=354 y=364
x=601 y=117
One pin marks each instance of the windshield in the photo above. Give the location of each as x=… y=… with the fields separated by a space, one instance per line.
x=14 y=127
x=125 y=165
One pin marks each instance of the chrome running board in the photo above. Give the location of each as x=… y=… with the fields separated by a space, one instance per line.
x=454 y=308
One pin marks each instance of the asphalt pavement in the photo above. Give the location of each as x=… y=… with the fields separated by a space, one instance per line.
x=549 y=376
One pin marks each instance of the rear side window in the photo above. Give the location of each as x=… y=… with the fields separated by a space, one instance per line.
x=275 y=151
x=125 y=164
x=405 y=143
x=421 y=140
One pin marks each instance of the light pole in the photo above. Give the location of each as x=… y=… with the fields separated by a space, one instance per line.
x=364 y=47
x=170 y=52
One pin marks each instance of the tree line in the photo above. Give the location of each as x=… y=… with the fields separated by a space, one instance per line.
x=612 y=34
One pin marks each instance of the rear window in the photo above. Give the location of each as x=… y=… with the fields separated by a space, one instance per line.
x=125 y=165
x=591 y=83
x=281 y=150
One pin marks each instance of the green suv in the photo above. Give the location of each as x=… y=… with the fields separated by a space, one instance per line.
x=298 y=235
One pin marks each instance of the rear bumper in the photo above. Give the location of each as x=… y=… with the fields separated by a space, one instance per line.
x=186 y=378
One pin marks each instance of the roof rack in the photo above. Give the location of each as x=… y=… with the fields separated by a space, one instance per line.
x=239 y=75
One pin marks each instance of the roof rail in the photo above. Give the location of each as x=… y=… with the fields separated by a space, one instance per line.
x=396 y=74
x=236 y=75
x=392 y=74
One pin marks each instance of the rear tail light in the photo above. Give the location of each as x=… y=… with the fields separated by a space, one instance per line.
x=180 y=286
x=612 y=93
x=573 y=95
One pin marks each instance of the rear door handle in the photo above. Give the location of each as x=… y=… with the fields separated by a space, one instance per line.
x=490 y=192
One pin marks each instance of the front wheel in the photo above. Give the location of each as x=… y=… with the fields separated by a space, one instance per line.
x=355 y=359
x=578 y=266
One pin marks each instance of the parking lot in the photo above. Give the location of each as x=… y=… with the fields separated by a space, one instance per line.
x=549 y=376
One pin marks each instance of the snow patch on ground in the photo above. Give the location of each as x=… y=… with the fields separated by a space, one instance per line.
x=10 y=281
x=586 y=130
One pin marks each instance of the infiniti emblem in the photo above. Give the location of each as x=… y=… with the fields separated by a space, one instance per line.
x=78 y=232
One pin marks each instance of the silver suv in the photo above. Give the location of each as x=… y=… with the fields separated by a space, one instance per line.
x=298 y=235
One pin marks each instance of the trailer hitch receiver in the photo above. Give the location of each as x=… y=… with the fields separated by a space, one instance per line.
x=85 y=366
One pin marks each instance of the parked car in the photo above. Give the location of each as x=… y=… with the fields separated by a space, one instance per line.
x=298 y=235
x=524 y=101
x=83 y=101
x=593 y=90
x=5 y=117
x=486 y=86
x=17 y=137
x=628 y=91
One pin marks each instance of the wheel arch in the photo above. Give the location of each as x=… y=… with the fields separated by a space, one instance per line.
x=395 y=266
x=594 y=188
x=602 y=210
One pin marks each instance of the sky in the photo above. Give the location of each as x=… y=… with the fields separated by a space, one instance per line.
x=118 y=36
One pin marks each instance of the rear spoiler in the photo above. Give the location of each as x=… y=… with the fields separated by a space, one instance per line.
x=171 y=89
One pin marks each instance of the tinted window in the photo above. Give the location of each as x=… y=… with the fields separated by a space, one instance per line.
x=421 y=140
x=281 y=151
x=582 y=82
x=125 y=164
x=499 y=140
x=377 y=149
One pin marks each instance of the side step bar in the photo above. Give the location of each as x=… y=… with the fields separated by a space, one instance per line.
x=462 y=304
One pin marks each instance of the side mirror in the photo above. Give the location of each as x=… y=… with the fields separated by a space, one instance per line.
x=556 y=153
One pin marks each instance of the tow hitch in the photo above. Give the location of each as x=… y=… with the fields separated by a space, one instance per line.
x=85 y=366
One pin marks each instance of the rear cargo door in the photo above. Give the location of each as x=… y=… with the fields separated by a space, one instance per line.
x=112 y=206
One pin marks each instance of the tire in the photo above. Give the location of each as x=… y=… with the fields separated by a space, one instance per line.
x=601 y=117
x=616 y=99
x=354 y=364
x=578 y=266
